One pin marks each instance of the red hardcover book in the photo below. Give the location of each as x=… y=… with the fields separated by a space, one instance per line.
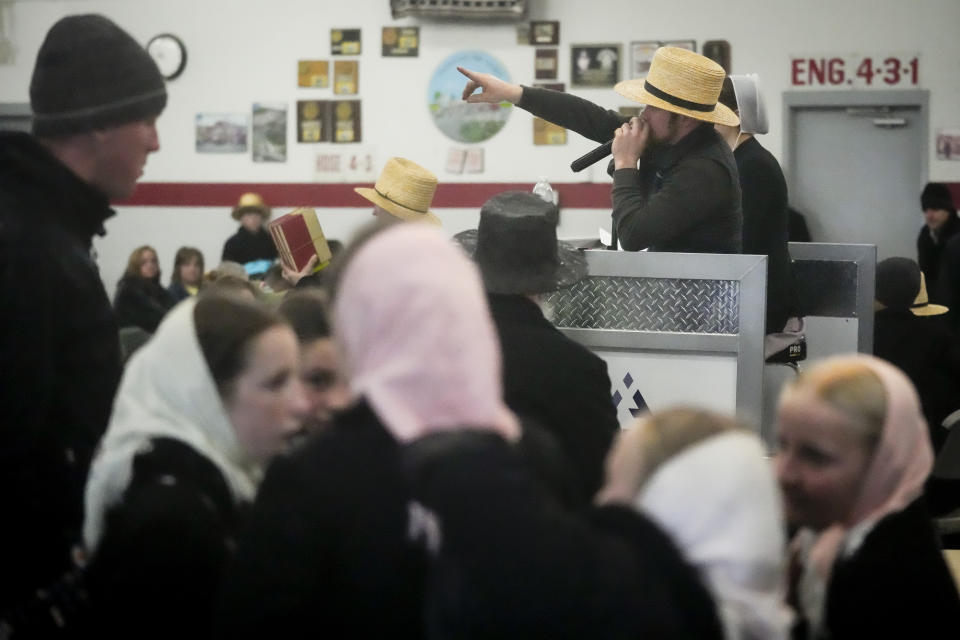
x=298 y=237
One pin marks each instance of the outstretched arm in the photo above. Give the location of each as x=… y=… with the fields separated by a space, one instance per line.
x=492 y=88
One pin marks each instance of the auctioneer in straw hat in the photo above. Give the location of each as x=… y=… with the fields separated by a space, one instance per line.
x=683 y=82
x=405 y=189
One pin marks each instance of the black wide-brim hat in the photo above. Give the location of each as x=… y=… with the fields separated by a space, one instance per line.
x=516 y=247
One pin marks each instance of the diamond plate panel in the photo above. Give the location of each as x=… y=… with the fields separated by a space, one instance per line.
x=648 y=304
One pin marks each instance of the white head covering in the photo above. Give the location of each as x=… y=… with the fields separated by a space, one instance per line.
x=718 y=500
x=753 y=114
x=417 y=337
x=166 y=391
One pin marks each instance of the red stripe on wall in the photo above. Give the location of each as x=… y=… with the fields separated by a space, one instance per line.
x=466 y=195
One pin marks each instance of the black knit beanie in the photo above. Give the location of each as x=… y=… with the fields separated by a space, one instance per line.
x=91 y=74
x=897 y=282
x=936 y=195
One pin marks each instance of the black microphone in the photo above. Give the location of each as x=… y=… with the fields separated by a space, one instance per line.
x=590 y=157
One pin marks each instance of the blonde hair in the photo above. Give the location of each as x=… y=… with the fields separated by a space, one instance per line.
x=668 y=432
x=851 y=388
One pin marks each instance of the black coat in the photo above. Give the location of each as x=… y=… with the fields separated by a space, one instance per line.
x=328 y=551
x=896 y=585
x=59 y=360
x=929 y=353
x=764 y=193
x=684 y=198
x=508 y=563
x=559 y=384
x=140 y=302
x=947 y=291
x=158 y=567
x=244 y=247
x=930 y=252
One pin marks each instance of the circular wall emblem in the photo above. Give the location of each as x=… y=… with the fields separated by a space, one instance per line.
x=457 y=119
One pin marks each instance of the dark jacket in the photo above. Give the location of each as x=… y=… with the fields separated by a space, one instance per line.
x=140 y=302
x=558 y=383
x=177 y=292
x=159 y=565
x=683 y=198
x=896 y=585
x=244 y=247
x=948 y=284
x=929 y=353
x=59 y=360
x=764 y=193
x=507 y=563
x=929 y=253
x=328 y=548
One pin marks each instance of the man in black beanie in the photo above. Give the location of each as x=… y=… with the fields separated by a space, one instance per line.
x=940 y=224
x=95 y=95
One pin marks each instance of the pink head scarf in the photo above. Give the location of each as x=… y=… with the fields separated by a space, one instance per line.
x=417 y=336
x=900 y=465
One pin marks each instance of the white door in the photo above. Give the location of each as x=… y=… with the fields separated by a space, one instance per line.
x=856 y=170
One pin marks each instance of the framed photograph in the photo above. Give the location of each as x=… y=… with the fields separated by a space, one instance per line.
x=345 y=42
x=719 y=52
x=269 y=132
x=523 y=33
x=689 y=45
x=545 y=64
x=641 y=54
x=545 y=132
x=346 y=121
x=456 y=157
x=595 y=65
x=545 y=32
x=345 y=77
x=400 y=42
x=313 y=73
x=473 y=160
x=313 y=121
x=222 y=132
x=553 y=86
x=948 y=144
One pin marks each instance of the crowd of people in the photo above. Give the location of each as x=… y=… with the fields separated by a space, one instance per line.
x=401 y=444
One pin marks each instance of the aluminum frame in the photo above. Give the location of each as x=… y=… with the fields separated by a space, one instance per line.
x=750 y=271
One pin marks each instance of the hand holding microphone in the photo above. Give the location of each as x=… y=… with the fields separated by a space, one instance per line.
x=628 y=144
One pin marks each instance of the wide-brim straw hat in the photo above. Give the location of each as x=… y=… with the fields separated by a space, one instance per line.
x=683 y=82
x=405 y=190
x=921 y=306
x=251 y=202
x=516 y=249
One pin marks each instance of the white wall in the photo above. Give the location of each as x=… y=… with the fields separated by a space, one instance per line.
x=242 y=51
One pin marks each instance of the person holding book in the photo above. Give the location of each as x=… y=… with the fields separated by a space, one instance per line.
x=251 y=245
x=95 y=94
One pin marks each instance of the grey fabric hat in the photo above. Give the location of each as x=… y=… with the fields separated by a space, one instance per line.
x=516 y=247
x=91 y=74
x=753 y=114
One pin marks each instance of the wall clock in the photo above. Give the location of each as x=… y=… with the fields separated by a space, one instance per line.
x=168 y=52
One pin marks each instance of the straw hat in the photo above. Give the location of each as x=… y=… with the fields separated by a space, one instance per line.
x=405 y=189
x=921 y=306
x=251 y=202
x=683 y=82
x=516 y=247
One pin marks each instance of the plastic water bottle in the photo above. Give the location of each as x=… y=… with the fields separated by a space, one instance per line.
x=545 y=191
